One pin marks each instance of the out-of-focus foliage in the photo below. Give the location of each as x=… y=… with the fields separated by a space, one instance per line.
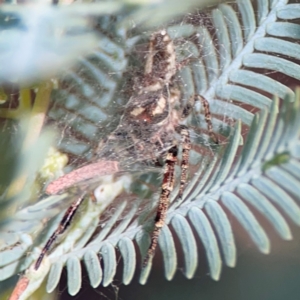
x=39 y=40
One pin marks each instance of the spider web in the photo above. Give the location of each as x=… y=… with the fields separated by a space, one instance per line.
x=82 y=113
x=90 y=101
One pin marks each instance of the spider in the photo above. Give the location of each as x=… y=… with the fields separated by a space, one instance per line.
x=148 y=130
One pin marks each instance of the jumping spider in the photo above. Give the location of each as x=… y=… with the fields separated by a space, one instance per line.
x=147 y=131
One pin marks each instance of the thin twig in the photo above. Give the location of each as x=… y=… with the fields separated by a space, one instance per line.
x=19 y=288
